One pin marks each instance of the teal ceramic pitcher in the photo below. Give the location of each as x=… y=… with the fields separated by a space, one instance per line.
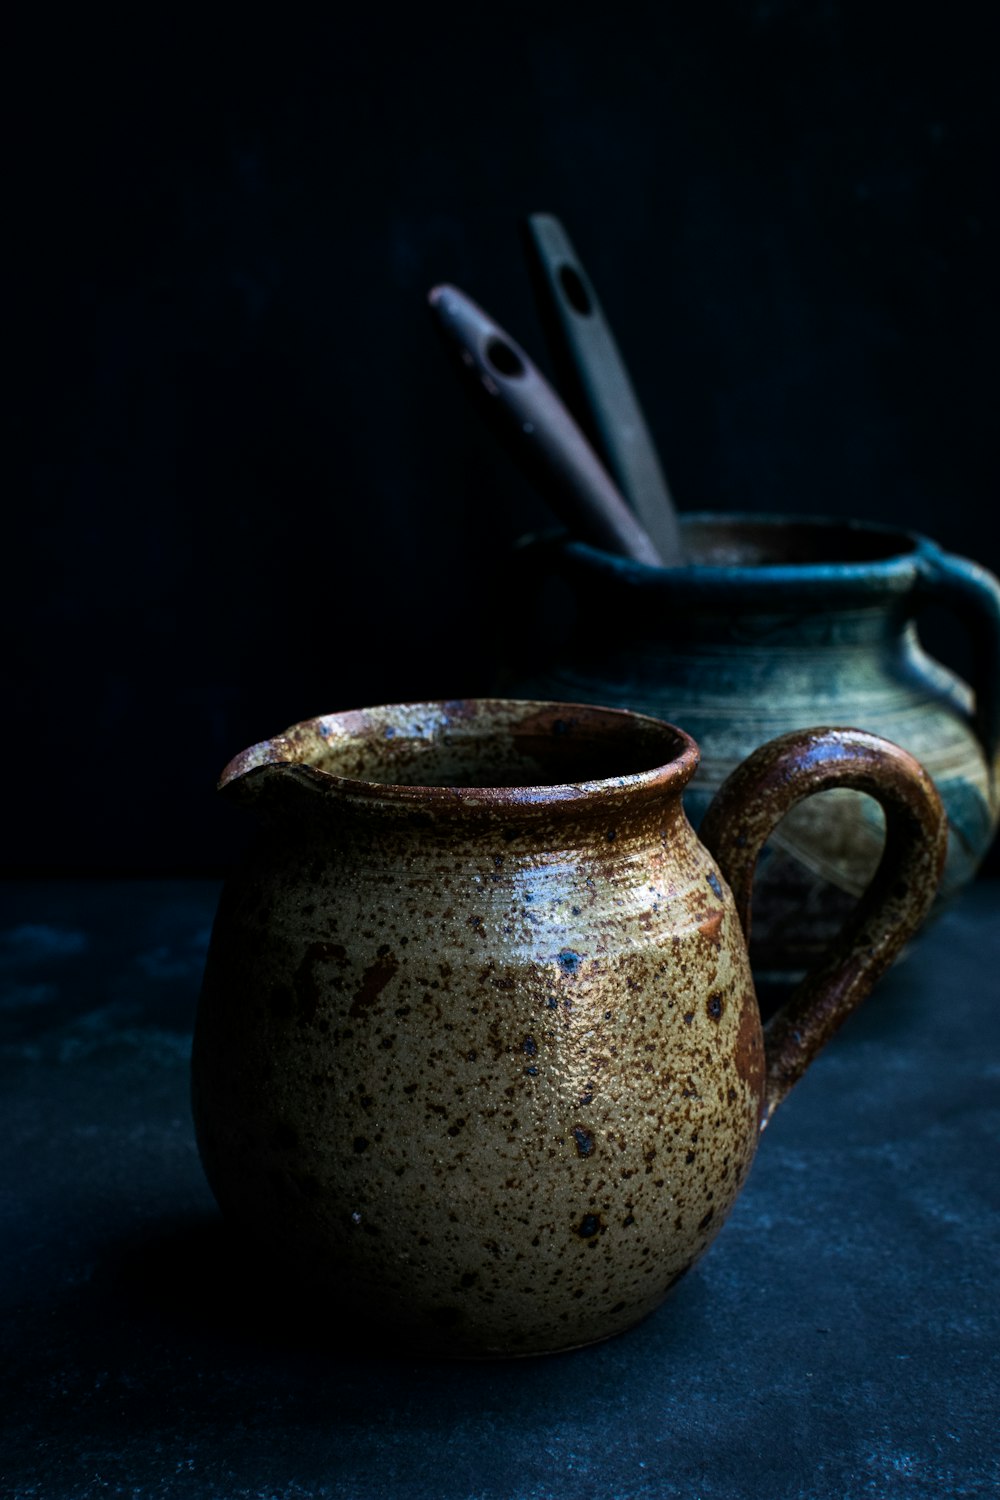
x=777 y=623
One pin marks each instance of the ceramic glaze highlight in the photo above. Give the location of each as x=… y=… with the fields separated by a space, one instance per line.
x=778 y=623
x=478 y=1050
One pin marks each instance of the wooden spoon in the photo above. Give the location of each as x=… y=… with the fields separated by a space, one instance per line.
x=544 y=439
x=591 y=371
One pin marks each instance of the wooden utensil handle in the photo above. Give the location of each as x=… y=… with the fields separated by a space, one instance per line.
x=540 y=433
x=593 y=376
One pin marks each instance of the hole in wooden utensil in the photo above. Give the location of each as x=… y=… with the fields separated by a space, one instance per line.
x=503 y=358
x=576 y=293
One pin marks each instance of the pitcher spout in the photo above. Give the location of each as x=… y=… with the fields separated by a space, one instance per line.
x=269 y=774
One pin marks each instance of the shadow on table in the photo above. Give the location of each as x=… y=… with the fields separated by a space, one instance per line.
x=173 y=1355
x=193 y=1280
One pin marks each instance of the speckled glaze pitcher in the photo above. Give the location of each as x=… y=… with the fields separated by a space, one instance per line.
x=477 y=1053
x=777 y=623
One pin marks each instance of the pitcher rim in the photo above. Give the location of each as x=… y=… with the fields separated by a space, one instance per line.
x=896 y=566
x=289 y=752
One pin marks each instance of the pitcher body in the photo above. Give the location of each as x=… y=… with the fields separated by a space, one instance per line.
x=478 y=1056
x=493 y=1065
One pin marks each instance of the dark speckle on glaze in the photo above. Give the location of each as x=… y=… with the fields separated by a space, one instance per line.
x=373 y=981
x=569 y=961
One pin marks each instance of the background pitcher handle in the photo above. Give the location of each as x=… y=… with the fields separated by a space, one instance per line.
x=973 y=593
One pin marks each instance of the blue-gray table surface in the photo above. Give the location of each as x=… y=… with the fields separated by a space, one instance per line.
x=841 y=1338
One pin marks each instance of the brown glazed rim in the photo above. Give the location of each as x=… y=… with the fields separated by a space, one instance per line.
x=291 y=750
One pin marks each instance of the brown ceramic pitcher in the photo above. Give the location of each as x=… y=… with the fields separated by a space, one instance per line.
x=478 y=1052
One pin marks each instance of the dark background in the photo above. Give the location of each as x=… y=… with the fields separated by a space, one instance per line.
x=254 y=491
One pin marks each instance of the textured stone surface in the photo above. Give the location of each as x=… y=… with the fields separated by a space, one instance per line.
x=841 y=1338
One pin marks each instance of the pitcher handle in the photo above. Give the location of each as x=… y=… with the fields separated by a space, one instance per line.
x=742 y=817
x=973 y=593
